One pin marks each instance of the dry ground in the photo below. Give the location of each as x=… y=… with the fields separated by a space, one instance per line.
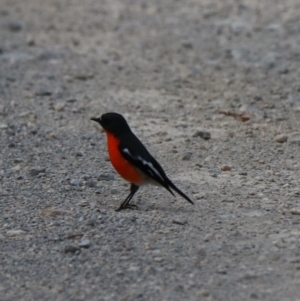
x=173 y=68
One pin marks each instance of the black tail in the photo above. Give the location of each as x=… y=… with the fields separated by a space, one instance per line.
x=171 y=185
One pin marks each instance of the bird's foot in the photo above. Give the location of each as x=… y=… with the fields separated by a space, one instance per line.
x=129 y=206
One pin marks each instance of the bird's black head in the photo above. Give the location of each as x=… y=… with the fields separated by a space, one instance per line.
x=113 y=123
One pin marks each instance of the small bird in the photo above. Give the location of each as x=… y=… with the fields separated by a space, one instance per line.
x=131 y=159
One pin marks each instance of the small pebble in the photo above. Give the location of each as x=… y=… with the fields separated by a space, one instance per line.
x=295 y=259
x=92 y=222
x=30 y=41
x=85 y=243
x=3 y=126
x=75 y=182
x=295 y=210
x=3 y=192
x=18 y=160
x=203 y=293
x=213 y=173
x=34 y=171
x=221 y=271
x=50 y=212
x=91 y=184
x=279 y=243
x=203 y=134
x=187 y=156
x=12 y=233
x=71 y=249
x=105 y=177
x=51 y=136
x=14 y=26
x=43 y=92
x=253 y=296
x=114 y=191
x=187 y=44
x=83 y=203
x=2 y=110
x=59 y=106
x=158 y=259
x=179 y=222
x=226 y=168
x=83 y=75
x=16 y=168
x=11 y=132
x=295 y=141
x=74 y=235
x=71 y=100
x=282 y=138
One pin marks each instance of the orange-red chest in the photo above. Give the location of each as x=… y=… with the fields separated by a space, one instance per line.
x=122 y=166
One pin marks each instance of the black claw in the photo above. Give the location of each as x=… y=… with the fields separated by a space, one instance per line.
x=125 y=204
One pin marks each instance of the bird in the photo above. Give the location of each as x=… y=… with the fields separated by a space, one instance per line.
x=131 y=159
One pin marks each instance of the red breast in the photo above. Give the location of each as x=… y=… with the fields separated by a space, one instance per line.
x=122 y=166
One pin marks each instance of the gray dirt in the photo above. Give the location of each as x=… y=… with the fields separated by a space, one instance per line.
x=212 y=88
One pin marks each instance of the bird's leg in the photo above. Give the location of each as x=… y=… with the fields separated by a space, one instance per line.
x=125 y=204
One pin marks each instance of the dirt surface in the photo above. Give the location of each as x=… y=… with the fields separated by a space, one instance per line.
x=176 y=70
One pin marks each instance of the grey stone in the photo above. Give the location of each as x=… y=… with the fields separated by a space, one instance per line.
x=71 y=100
x=282 y=138
x=75 y=182
x=59 y=106
x=18 y=160
x=2 y=110
x=91 y=183
x=11 y=233
x=92 y=222
x=3 y=126
x=225 y=167
x=179 y=222
x=3 y=192
x=114 y=191
x=105 y=177
x=295 y=141
x=14 y=26
x=43 y=92
x=35 y=171
x=71 y=249
x=295 y=210
x=221 y=270
x=203 y=134
x=187 y=156
x=85 y=243
x=214 y=173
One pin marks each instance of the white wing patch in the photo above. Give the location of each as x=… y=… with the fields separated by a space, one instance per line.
x=125 y=150
x=151 y=169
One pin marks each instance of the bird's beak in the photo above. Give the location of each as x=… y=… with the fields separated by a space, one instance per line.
x=96 y=119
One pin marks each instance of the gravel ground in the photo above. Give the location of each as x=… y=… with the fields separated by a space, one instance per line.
x=212 y=88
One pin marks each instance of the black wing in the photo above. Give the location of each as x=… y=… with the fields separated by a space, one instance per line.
x=135 y=152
